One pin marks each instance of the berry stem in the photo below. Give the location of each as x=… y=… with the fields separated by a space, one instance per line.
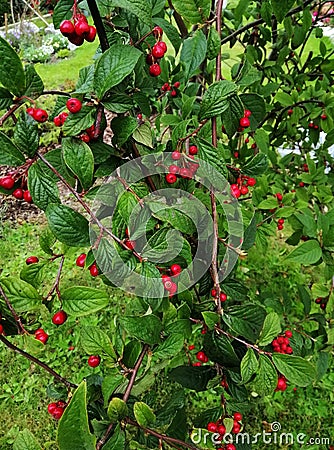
x=21 y=352
x=247 y=344
x=98 y=25
x=17 y=318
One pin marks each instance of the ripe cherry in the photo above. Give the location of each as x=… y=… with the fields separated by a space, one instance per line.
x=40 y=115
x=176 y=269
x=94 y=271
x=244 y=190
x=323 y=117
x=176 y=155
x=30 y=111
x=236 y=428
x=85 y=138
x=173 y=93
x=90 y=36
x=247 y=113
x=18 y=193
x=237 y=416
x=131 y=245
x=213 y=293
x=171 y=288
x=58 y=412
x=66 y=27
x=81 y=259
x=7 y=183
x=212 y=426
x=27 y=196
x=223 y=297
x=76 y=39
x=42 y=336
x=61 y=404
x=57 y=121
x=32 y=260
x=1 y=329
x=158 y=51
x=201 y=356
x=94 y=361
x=230 y=447
x=193 y=150
x=157 y=32
x=52 y=407
x=81 y=28
x=63 y=116
x=279 y=196
x=173 y=169
x=280 y=227
x=281 y=384
x=74 y=105
x=221 y=429
x=177 y=84
x=155 y=70
x=59 y=317
x=288 y=334
x=290 y=112
x=171 y=178
x=191 y=347
x=244 y=122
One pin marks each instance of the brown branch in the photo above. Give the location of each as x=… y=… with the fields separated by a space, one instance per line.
x=55 y=286
x=16 y=317
x=167 y=439
x=9 y=113
x=247 y=344
x=179 y=21
x=219 y=30
x=21 y=352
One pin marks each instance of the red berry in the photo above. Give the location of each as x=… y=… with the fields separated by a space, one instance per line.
x=131 y=245
x=90 y=36
x=236 y=428
x=281 y=384
x=94 y=271
x=149 y=59
x=280 y=221
x=253 y=146
x=323 y=306
x=61 y=404
x=30 y=111
x=39 y=331
x=221 y=429
x=290 y=112
x=185 y=173
x=212 y=426
x=166 y=279
x=197 y=364
x=158 y=51
x=213 y=293
x=1 y=329
x=32 y=260
x=171 y=287
x=247 y=113
x=191 y=347
x=139 y=116
x=230 y=447
x=236 y=154
x=66 y=27
x=162 y=45
x=237 y=416
x=176 y=155
x=244 y=122
x=201 y=356
x=318 y=300
x=173 y=169
x=244 y=190
x=27 y=196
x=301 y=184
x=76 y=39
x=94 y=361
x=223 y=297
x=57 y=121
x=52 y=407
x=246 y=140
x=80 y=261
x=280 y=227
x=155 y=70
x=157 y=32
x=288 y=333
x=85 y=138
x=323 y=117
x=40 y=115
x=57 y=413
x=177 y=84
x=193 y=150
x=7 y=183
x=173 y=93
x=42 y=337
x=63 y=116
x=176 y=269
x=279 y=196
x=311 y=125
x=74 y=105
x=289 y=350
x=81 y=28
x=59 y=317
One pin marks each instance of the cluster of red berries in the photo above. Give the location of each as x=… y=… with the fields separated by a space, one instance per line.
x=282 y=344
x=241 y=186
x=60 y=119
x=169 y=280
x=8 y=182
x=157 y=52
x=166 y=87
x=219 y=427
x=322 y=302
x=77 y=30
x=57 y=409
x=279 y=197
x=305 y=168
x=38 y=114
x=313 y=125
x=93 y=269
x=222 y=295
x=202 y=358
x=281 y=384
x=188 y=169
x=280 y=224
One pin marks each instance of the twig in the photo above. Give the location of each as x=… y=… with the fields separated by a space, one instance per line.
x=98 y=24
x=55 y=287
x=149 y=179
x=17 y=318
x=9 y=113
x=247 y=344
x=21 y=352
x=179 y=21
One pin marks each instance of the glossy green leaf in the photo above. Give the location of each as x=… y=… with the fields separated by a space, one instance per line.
x=34 y=83
x=117 y=409
x=83 y=300
x=271 y=328
x=193 y=53
x=95 y=341
x=25 y=440
x=307 y=253
x=214 y=101
x=12 y=75
x=146 y=328
x=21 y=295
x=79 y=158
x=144 y=414
x=140 y=8
x=26 y=134
x=44 y=190
x=297 y=370
x=266 y=378
x=10 y=155
x=249 y=365
x=77 y=123
x=195 y=11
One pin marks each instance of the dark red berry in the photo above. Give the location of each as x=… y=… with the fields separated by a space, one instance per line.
x=155 y=70
x=66 y=27
x=81 y=28
x=244 y=122
x=27 y=196
x=237 y=416
x=131 y=245
x=7 y=183
x=279 y=196
x=177 y=84
x=173 y=93
x=185 y=173
x=30 y=111
x=193 y=150
x=59 y=317
x=191 y=347
x=63 y=116
x=176 y=269
x=173 y=169
x=40 y=115
x=288 y=333
x=42 y=337
x=94 y=361
x=18 y=193
x=1 y=329
x=158 y=51
x=74 y=105
x=162 y=45
x=32 y=260
x=212 y=427
x=57 y=413
x=223 y=297
x=244 y=190
x=94 y=271
x=323 y=117
x=290 y=112
x=90 y=36
x=52 y=407
x=201 y=356
x=251 y=182
x=81 y=259
x=176 y=155
x=85 y=138
x=247 y=113
x=57 y=121
x=171 y=178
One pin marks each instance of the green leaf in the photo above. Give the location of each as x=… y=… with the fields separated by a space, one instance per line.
x=268 y=203
x=21 y=295
x=144 y=414
x=193 y=53
x=117 y=440
x=95 y=341
x=6 y=98
x=34 y=83
x=232 y=114
x=213 y=43
x=12 y=75
x=79 y=122
x=85 y=80
x=248 y=366
x=145 y=328
x=123 y=127
x=9 y=155
x=219 y=349
x=26 y=134
x=68 y=225
x=305 y=296
x=62 y=11
x=250 y=233
x=296 y=369
x=44 y=190
x=25 y=440
x=178 y=219
x=79 y=158
x=163 y=246
x=143 y=135
x=256 y=166
x=47 y=241
x=281 y=7
x=256 y=104
x=194 y=11
x=262 y=140
x=33 y=274
x=195 y=378
x=307 y=253
x=246 y=320
x=266 y=378
x=284 y=99
x=73 y=430
x=210 y=319
x=170 y=31
x=271 y=328
x=248 y=75
x=214 y=100
x=110 y=383
x=170 y=347
x=114 y=65
x=140 y=8
x=83 y=300
x=117 y=410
